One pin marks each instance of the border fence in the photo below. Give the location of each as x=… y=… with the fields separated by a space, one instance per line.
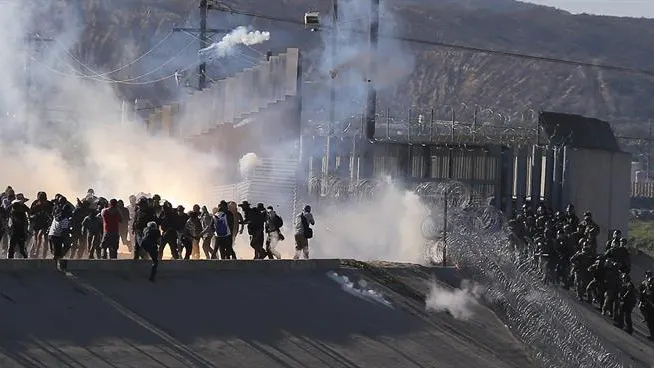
x=446 y=124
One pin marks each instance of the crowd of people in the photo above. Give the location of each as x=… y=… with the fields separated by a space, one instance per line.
x=565 y=250
x=94 y=227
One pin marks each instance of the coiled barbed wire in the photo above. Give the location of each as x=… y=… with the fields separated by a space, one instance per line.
x=334 y=188
x=541 y=316
x=477 y=239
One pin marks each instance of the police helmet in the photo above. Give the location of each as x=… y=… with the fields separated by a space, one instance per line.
x=152 y=225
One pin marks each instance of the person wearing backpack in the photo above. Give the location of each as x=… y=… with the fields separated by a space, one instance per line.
x=149 y=243
x=303 y=232
x=274 y=223
x=223 y=224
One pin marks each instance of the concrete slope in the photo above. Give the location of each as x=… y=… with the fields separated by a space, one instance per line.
x=230 y=314
x=632 y=350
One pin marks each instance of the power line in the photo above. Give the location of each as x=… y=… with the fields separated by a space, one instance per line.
x=132 y=62
x=129 y=81
x=624 y=69
x=136 y=60
x=55 y=71
x=204 y=32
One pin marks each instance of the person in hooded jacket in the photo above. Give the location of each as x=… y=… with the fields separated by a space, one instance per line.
x=18 y=227
x=92 y=230
x=7 y=198
x=40 y=218
x=180 y=225
x=273 y=229
x=195 y=253
x=61 y=207
x=124 y=225
x=78 y=238
x=191 y=234
x=131 y=209
x=111 y=219
x=151 y=237
x=206 y=219
x=59 y=233
x=224 y=223
x=255 y=220
x=168 y=221
x=144 y=214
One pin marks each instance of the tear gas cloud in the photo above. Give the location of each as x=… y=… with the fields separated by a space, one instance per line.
x=75 y=139
x=386 y=228
x=460 y=303
x=248 y=163
x=350 y=69
x=239 y=36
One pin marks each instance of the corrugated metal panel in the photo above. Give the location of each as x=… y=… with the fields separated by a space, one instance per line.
x=272 y=183
x=439 y=164
x=417 y=161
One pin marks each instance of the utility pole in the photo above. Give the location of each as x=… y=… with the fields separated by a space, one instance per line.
x=31 y=40
x=204 y=33
x=366 y=156
x=371 y=103
x=332 y=92
x=649 y=149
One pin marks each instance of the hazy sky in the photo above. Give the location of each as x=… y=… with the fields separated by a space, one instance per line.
x=628 y=8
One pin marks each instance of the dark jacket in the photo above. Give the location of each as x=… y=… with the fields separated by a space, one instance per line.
x=92 y=223
x=142 y=216
x=168 y=220
x=150 y=239
x=19 y=222
x=628 y=294
x=41 y=214
x=193 y=228
x=180 y=221
x=274 y=222
x=255 y=220
x=79 y=214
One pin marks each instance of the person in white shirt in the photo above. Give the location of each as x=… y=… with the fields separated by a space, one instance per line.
x=303 y=232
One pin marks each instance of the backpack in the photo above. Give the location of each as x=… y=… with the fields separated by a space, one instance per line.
x=308 y=231
x=221 y=226
x=277 y=220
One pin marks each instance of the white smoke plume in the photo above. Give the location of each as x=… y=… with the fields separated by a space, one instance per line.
x=74 y=138
x=460 y=303
x=239 y=36
x=387 y=228
x=247 y=164
x=349 y=65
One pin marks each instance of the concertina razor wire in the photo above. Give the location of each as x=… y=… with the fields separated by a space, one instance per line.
x=477 y=239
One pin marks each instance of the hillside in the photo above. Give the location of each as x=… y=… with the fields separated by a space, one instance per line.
x=438 y=76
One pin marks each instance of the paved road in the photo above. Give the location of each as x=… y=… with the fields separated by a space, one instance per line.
x=232 y=319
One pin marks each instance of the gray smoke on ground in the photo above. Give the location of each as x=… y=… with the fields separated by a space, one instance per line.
x=76 y=136
x=460 y=303
x=384 y=226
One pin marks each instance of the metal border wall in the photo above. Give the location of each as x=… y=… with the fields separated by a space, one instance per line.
x=599 y=181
